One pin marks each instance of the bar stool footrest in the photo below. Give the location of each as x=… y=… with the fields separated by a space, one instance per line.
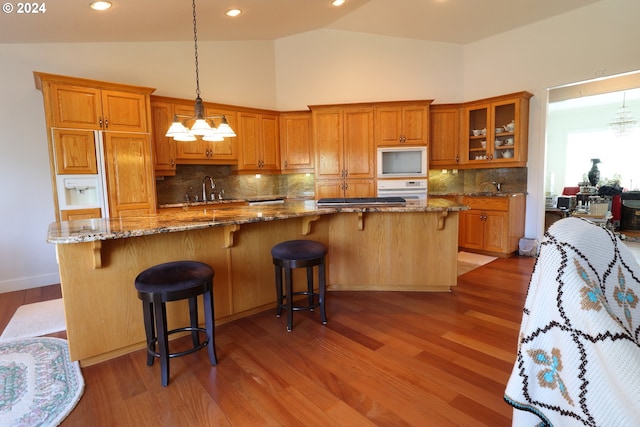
x=202 y=345
x=301 y=307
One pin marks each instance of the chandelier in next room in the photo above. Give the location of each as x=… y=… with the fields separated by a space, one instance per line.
x=623 y=121
x=203 y=126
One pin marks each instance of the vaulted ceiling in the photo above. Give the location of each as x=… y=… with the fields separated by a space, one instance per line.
x=449 y=21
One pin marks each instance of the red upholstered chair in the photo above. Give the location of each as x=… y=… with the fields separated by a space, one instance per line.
x=570 y=191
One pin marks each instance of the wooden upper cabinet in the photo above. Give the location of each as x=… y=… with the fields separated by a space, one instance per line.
x=164 y=149
x=359 y=153
x=227 y=149
x=189 y=150
x=296 y=143
x=400 y=124
x=131 y=189
x=497 y=145
x=444 y=139
x=76 y=106
x=259 y=143
x=75 y=151
x=328 y=143
x=207 y=152
x=123 y=111
x=83 y=107
x=344 y=143
x=344 y=150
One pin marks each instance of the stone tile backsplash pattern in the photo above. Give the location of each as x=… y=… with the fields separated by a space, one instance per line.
x=512 y=180
x=188 y=179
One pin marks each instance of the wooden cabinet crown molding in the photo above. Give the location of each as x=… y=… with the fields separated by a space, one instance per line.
x=213 y=105
x=498 y=98
x=40 y=78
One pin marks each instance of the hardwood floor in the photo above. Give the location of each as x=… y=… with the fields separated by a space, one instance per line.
x=384 y=359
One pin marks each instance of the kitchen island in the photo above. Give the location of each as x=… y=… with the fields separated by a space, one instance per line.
x=412 y=247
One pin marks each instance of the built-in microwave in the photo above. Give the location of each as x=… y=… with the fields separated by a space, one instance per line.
x=402 y=162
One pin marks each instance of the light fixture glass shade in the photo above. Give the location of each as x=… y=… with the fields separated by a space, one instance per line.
x=225 y=130
x=176 y=128
x=200 y=127
x=213 y=136
x=185 y=137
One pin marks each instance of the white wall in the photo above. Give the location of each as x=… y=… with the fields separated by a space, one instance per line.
x=594 y=41
x=329 y=67
x=313 y=68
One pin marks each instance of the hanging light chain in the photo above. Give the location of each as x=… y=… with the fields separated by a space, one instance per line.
x=195 y=46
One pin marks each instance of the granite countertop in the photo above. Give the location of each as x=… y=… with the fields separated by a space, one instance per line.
x=89 y=230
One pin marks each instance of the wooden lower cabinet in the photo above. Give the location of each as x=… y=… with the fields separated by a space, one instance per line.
x=74 y=214
x=382 y=251
x=344 y=188
x=493 y=225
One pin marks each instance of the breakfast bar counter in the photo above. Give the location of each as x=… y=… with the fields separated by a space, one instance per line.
x=412 y=247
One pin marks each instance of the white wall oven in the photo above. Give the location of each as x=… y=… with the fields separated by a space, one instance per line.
x=402 y=162
x=412 y=190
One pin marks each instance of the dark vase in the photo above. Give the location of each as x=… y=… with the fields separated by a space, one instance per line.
x=594 y=172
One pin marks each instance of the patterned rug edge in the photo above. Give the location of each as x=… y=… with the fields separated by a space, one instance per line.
x=71 y=369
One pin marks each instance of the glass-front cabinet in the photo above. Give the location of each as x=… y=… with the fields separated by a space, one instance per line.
x=495 y=131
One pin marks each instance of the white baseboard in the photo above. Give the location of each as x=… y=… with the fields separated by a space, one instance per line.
x=21 y=283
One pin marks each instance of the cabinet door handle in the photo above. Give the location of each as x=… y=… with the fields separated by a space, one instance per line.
x=100 y=122
x=286 y=164
x=106 y=123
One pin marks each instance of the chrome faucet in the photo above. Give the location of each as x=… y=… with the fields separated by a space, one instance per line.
x=497 y=185
x=204 y=187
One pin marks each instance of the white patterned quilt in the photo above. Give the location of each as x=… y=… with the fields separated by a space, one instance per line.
x=578 y=361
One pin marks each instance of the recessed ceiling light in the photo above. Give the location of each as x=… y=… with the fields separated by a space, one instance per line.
x=100 y=5
x=338 y=2
x=233 y=12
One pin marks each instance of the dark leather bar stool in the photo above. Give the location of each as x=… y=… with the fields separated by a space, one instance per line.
x=299 y=254
x=174 y=281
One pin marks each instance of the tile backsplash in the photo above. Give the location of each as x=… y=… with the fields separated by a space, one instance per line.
x=189 y=179
x=512 y=180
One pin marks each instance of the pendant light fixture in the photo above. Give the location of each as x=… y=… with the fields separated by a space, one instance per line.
x=623 y=121
x=204 y=126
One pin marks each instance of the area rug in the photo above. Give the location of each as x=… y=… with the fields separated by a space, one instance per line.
x=39 y=385
x=34 y=320
x=468 y=261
